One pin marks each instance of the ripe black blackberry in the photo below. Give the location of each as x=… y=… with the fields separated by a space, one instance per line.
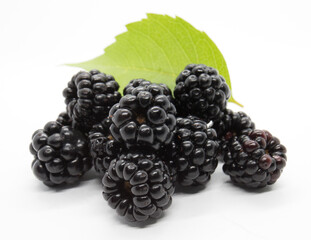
x=232 y=124
x=168 y=154
x=195 y=152
x=61 y=154
x=64 y=119
x=144 y=85
x=202 y=92
x=138 y=186
x=103 y=147
x=89 y=97
x=255 y=160
x=145 y=118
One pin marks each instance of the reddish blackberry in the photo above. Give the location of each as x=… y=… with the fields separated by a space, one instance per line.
x=61 y=154
x=144 y=85
x=145 y=118
x=196 y=151
x=254 y=160
x=232 y=124
x=103 y=147
x=89 y=97
x=202 y=92
x=138 y=186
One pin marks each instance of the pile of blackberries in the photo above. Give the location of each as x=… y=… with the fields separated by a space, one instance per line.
x=145 y=142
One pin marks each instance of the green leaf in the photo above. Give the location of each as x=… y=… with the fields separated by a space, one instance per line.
x=157 y=49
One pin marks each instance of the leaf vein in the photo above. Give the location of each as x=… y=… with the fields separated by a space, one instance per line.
x=142 y=69
x=165 y=54
x=194 y=45
x=170 y=33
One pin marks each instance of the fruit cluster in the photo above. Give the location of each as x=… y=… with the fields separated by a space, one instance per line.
x=145 y=142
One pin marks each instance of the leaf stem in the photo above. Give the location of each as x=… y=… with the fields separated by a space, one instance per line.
x=234 y=101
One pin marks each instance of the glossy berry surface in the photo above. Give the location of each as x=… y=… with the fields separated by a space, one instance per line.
x=202 y=92
x=141 y=84
x=255 y=160
x=89 y=97
x=103 y=147
x=61 y=154
x=64 y=119
x=232 y=124
x=138 y=186
x=145 y=118
x=194 y=152
x=168 y=154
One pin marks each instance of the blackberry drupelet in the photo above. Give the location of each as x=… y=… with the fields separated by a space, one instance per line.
x=64 y=119
x=232 y=124
x=255 y=160
x=168 y=154
x=61 y=154
x=103 y=147
x=89 y=97
x=202 y=92
x=145 y=118
x=138 y=186
x=144 y=85
x=196 y=151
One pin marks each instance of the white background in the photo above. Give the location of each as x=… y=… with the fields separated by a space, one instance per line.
x=267 y=48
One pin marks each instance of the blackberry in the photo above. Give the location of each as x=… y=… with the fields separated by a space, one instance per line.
x=89 y=97
x=103 y=147
x=138 y=186
x=168 y=154
x=233 y=123
x=61 y=154
x=144 y=85
x=196 y=151
x=230 y=125
x=64 y=119
x=255 y=160
x=202 y=92
x=145 y=118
